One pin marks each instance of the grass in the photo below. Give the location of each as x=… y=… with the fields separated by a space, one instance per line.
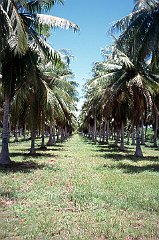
x=80 y=190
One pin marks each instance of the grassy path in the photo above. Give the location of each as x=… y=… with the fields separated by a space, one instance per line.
x=78 y=190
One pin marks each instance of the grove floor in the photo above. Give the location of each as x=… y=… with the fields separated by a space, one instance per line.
x=80 y=190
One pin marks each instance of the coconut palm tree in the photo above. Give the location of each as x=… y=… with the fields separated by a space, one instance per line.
x=120 y=88
x=139 y=38
x=17 y=35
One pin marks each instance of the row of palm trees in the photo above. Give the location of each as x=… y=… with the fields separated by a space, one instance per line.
x=36 y=87
x=124 y=90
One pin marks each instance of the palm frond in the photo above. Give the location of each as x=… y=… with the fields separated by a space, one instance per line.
x=17 y=38
x=41 y=5
x=39 y=45
x=55 y=22
x=146 y=4
x=122 y=24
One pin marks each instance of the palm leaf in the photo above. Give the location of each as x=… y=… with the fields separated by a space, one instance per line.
x=146 y=4
x=54 y=22
x=34 y=6
x=41 y=47
x=17 y=38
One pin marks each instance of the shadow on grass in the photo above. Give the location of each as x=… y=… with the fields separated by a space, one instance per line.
x=89 y=141
x=26 y=167
x=20 y=140
x=114 y=153
x=28 y=155
x=152 y=147
x=115 y=149
x=132 y=169
x=7 y=195
x=119 y=157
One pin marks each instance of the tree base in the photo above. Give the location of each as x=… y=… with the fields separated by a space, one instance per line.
x=32 y=151
x=5 y=160
x=51 y=143
x=43 y=148
x=138 y=153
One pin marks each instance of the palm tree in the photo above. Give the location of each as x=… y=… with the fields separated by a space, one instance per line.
x=17 y=35
x=139 y=39
x=120 y=88
x=13 y=41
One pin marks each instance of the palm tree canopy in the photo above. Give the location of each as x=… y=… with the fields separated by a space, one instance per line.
x=139 y=37
x=12 y=29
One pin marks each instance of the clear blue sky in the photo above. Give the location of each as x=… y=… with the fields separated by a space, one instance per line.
x=94 y=19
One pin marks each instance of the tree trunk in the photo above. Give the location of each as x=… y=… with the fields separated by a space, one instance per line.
x=4 y=157
x=107 y=132
x=117 y=137
x=100 y=132
x=62 y=134
x=128 y=137
x=32 y=149
x=122 y=137
x=104 y=131
x=95 y=128
x=51 y=137
x=133 y=135
x=142 y=132
x=89 y=131
x=156 y=128
x=138 y=152
x=43 y=131
x=43 y=139
x=24 y=131
x=58 y=133
x=146 y=132
x=16 y=133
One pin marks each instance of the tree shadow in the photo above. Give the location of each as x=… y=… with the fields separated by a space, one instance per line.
x=89 y=141
x=28 y=155
x=120 y=156
x=20 y=140
x=128 y=168
x=26 y=167
x=152 y=147
x=113 y=149
x=8 y=194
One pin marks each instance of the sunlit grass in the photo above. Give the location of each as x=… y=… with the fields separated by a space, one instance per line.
x=80 y=190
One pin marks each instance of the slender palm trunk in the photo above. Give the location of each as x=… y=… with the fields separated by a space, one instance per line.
x=51 y=136
x=16 y=133
x=43 y=131
x=128 y=137
x=100 y=132
x=146 y=132
x=95 y=128
x=156 y=128
x=142 y=132
x=43 y=137
x=58 y=133
x=138 y=152
x=122 y=137
x=133 y=135
x=24 y=131
x=107 y=132
x=104 y=131
x=4 y=157
x=117 y=137
x=62 y=134
x=32 y=149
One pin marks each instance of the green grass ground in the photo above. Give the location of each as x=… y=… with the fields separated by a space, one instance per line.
x=80 y=190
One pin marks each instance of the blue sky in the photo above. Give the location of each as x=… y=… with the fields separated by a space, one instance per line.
x=94 y=19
